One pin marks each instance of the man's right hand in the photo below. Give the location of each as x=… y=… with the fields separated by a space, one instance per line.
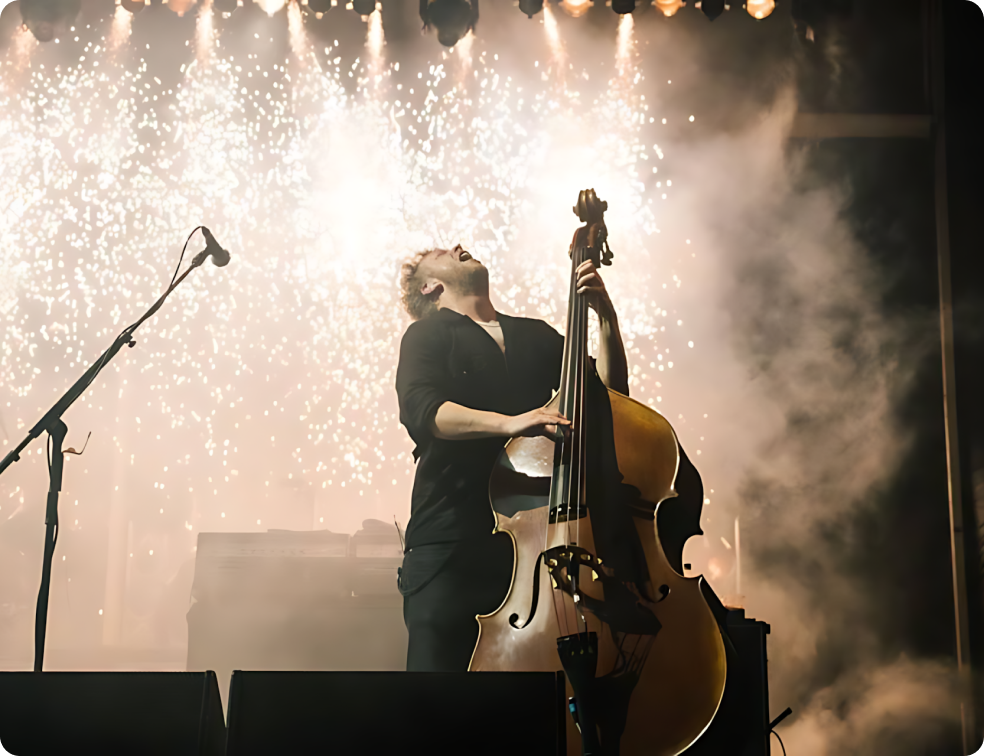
x=539 y=422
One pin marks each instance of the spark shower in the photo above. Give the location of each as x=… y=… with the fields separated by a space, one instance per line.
x=261 y=395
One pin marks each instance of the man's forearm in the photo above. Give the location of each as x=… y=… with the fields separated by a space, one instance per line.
x=613 y=368
x=453 y=422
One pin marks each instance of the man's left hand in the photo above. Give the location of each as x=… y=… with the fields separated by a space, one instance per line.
x=590 y=285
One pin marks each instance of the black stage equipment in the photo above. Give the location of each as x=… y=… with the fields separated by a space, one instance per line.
x=55 y=427
x=531 y=7
x=134 y=6
x=301 y=601
x=111 y=713
x=712 y=8
x=225 y=6
x=364 y=7
x=453 y=19
x=741 y=726
x=397 y=712
x=319 y=6
x=48 y=19
x=622 y=7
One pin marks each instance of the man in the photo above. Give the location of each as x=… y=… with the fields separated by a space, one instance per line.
x=470 y=378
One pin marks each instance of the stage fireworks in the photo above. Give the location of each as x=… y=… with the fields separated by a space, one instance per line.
x=262 y=396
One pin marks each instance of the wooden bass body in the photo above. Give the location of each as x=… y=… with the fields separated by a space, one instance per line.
x=659 y=688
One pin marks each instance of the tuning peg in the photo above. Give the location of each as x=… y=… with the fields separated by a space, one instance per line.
x=606 y=254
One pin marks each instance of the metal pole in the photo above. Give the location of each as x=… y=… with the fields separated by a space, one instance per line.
x=57 y=431
x=957 y=555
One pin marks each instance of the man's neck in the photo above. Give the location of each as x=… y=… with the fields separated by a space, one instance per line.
x=478 y=307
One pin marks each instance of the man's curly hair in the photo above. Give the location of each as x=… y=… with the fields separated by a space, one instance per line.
x=417 y=304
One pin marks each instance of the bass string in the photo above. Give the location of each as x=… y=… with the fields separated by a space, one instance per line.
x=561 y=488
x=578 y=496
x=572 y=412
x=569 y=412
x=569 y=405
x=569 y=491
x=578 y=432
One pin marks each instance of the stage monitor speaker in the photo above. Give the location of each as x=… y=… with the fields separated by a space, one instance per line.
x=358 y=713
x=741 y=725
x=109 y=713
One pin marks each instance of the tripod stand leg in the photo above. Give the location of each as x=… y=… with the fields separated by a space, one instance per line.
x=57 y=432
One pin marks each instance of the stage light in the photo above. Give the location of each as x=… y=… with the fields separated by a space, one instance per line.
x=712 y=8
x=364 y=7
x=622 y=7
x=668 y=7
x=531 y=7
x=453 y=19
x=226 y=6
x=270 y=7
x=319 y=7
x=180 y=6
x=760 y=9
x=576 y=8
x=48 y=19
x=134 y=6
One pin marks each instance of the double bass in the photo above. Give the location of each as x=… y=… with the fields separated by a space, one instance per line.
x=597 y=587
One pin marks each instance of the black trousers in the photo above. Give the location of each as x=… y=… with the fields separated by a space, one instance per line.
x=440 y=616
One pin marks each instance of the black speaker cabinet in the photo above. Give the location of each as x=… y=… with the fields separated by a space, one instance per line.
x=147 y=713
x=741 y=725
x=358 y=713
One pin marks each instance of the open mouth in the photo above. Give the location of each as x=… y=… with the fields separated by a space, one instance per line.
x=464 y=256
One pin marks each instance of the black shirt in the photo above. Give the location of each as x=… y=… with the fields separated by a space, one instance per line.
x=447 y=357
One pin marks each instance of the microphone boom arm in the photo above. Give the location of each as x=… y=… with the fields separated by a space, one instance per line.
x=53 y=415
x=53 y=424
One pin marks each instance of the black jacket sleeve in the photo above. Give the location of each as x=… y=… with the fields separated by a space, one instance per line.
x=422 y=377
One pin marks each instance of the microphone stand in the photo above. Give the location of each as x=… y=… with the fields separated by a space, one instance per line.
x=55 y=427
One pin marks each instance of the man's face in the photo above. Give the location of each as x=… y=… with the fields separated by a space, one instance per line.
x=456 y=270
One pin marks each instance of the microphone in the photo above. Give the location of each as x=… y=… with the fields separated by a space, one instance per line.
x=220 y=256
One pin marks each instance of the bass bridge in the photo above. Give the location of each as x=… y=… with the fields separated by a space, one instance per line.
x=626 y=607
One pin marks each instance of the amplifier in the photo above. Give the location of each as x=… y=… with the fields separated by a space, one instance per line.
x=297 y=601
